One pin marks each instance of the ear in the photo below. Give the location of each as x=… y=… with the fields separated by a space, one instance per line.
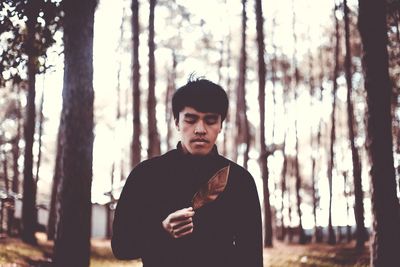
x=177 y=124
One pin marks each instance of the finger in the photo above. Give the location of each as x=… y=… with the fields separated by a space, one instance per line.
x=179 y=224
x=183 y=232
x=183 y=228
x=181 y=215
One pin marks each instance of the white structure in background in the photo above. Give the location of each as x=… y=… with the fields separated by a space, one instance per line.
x=99 y=217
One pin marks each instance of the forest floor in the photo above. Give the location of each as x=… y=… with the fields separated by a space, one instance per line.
x=14 y=253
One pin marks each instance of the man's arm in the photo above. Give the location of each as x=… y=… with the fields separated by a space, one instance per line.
x=249 y=225
x=127 y=240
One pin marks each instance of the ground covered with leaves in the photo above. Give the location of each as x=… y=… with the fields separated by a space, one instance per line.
x=14 y=253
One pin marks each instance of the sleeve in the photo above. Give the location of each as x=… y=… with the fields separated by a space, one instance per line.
x=249 y=225
x=127 y=241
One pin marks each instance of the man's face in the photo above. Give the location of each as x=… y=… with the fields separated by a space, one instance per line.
x=198 y=130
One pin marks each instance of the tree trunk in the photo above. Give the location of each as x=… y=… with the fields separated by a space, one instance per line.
x=346 y=196
x=302 y=236
x=358 y=192
x=41 y=118
x=168 y=99
x=136 y=145
x=5 y=171
x=29 y=212
x=54 y=202
x=283 y=189
x=273 y=78
x=331 y=233
x=15 y=147
x=315 y=152
x=261 y=99
x=243 y=134
x=72 y=244
x=153 y=136
x=229 y=91
x=385 y=204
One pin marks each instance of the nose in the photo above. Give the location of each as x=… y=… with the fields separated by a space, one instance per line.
x=200 y=129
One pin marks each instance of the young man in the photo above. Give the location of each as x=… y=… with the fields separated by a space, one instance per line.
x=158 y=217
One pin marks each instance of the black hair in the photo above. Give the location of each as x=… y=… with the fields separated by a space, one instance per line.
x=202 y=95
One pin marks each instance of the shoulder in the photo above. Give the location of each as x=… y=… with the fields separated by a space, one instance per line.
x=237 y=172
x=150 y=166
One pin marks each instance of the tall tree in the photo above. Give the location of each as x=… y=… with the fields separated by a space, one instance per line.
x=302 y=236
x=168 y=98
x=29 y=213
x=385 y=204
x=72 y=244
x=358 y=192
x=136 y=146
x=228 y=120
x=261 y=100
x=41 y=120
x=54 y=201
x=31 y=25
x=331 y=232
x=153 y=136
x=5 y=170
x=15 y=144
x=243 y=135
x=314 y=146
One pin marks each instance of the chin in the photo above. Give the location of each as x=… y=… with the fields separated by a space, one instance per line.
x=199 y=152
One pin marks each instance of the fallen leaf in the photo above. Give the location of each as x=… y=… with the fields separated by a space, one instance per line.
x=212 y=189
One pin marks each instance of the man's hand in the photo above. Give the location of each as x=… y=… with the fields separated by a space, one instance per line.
x=179 y=223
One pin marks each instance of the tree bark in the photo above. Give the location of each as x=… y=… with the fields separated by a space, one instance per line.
x=229 y=91
x=54 y=201
x=41 y=119
x=358 y=192
x=302 y=236
x=261 y=99
x=136 y=145
x=331 y=233
x=283 y=189
x=243 y=135
x=168 y=99
x=29 y=212
x=5 y=171
x=15 y=147
x=72 y=244
x=385 y=204
x=153 y=136
x=315 y=151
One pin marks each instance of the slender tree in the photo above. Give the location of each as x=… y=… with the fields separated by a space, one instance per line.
x=243 y=135
x=314 y=146
x=358 y=192
x=263 y=160
x=5 y=170
x=168 y=98
x=283 y=191
x=72 y=244
x=385 y=204
x=54 y=201
x=153 y=136
x=41 y=119
x=229 y=91
x=302 y=236
x=15 y=144
x=331 y=233
x=29 y=213
x=136 y=145
x=346 y=195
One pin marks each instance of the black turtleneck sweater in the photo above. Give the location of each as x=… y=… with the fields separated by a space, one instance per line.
x=226 y=233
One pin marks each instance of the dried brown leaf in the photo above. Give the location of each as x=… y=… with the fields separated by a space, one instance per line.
x=212 y=189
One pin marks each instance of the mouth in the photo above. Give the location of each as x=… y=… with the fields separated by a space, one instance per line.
x=200 y=141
